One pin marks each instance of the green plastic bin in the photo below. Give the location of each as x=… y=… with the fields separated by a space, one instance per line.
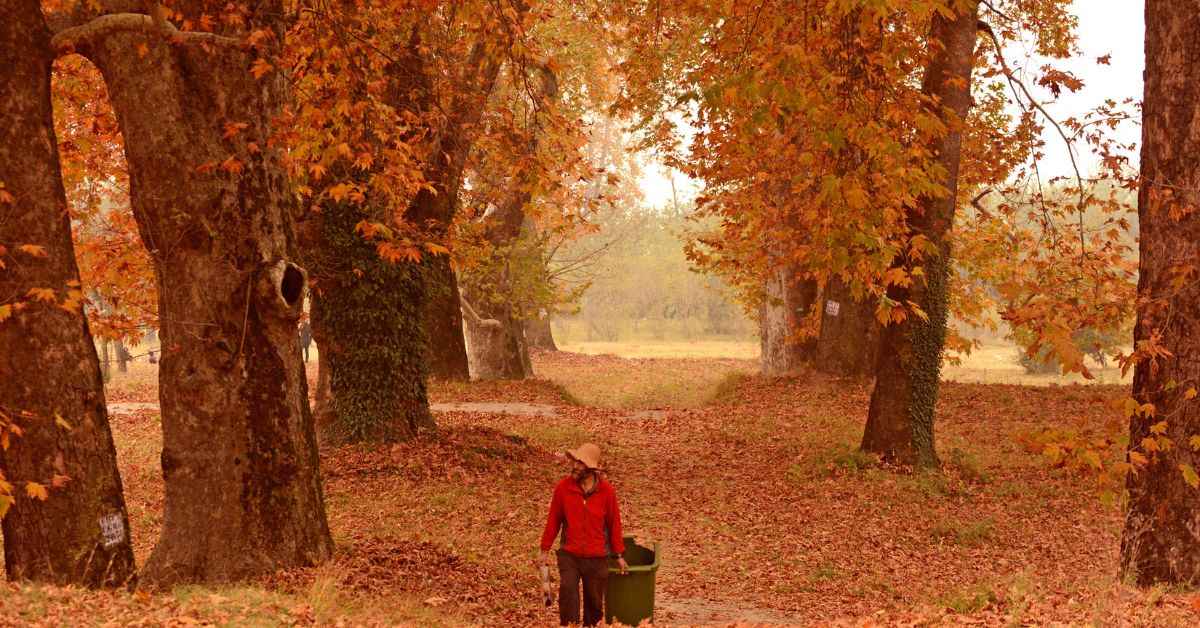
x=630 y=597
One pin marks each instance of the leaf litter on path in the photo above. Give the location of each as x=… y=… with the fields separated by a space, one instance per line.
x=764 y=512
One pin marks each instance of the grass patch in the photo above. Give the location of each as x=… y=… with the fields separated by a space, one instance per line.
x=970 y=600
x=970 y=534
x=567 y=396
x=929 y=484
x=825 y=572
x=608 y=381
x=552 y=436
x=727 y=387
x=840 y=460
x=967 y=466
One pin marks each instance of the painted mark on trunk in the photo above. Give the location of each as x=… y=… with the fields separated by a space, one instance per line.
x=832 y=308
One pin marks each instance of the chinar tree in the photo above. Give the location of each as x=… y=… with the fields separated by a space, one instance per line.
x=61 y=500
x=213 y=207
x=1161 y=538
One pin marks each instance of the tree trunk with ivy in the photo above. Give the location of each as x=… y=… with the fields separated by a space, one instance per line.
x=239 y=457
x=1160 y=542
x=901 y=416
x=51 y=388
x=370 y=313
x=848 y=343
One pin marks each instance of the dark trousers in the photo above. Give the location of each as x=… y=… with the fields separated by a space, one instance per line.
x=594 y=574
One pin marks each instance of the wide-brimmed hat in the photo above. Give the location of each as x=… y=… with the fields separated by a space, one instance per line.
x=586 y=453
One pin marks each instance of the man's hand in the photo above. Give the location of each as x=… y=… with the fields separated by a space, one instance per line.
x=623 y=565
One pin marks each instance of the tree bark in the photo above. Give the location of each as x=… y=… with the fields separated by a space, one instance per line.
x=122 y=357
x=539 y=334
x=901 y=416
x=105 y=361
x=243 y=489
x=496 y=345
x=444 y=323
x=1161 y=538
x=50 y=381
x=848 y=343
x=785 y=304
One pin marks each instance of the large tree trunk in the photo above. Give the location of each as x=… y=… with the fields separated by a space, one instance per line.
x=848 y=342
x=444 y=322
x=539 y=334
x=243 y=490
x=50 y=382
x=1161 y=539
x=496 y=344
x=900 y=420
x=786 y=302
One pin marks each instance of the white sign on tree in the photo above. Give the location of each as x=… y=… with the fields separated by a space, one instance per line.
x=112 y=529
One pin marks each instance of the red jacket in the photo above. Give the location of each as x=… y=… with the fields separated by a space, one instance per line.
x=585 y=522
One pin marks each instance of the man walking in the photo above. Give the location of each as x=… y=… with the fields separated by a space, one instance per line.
x=585 y=507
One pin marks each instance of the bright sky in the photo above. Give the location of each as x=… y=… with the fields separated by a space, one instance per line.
x=1106 y=27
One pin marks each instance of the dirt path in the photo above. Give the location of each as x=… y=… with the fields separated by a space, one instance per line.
x=698 y=611
x=129 y=407
x=498 y=407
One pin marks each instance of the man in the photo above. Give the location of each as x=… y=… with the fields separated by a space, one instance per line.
x=305 y=338
x=585 y=507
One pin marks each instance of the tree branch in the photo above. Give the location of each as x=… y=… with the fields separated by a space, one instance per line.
x=488 y=323
x=993 y=9
x=82 y=36
x=1013 y=83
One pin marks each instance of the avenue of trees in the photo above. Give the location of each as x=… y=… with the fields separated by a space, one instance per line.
x=412 y=169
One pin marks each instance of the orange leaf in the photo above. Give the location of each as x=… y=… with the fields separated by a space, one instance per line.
x=233 y=128
x=36 y=491
x=232 y=165
x=32 y=249
x=41 y=294
x=340 y=191
x=260 y=67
